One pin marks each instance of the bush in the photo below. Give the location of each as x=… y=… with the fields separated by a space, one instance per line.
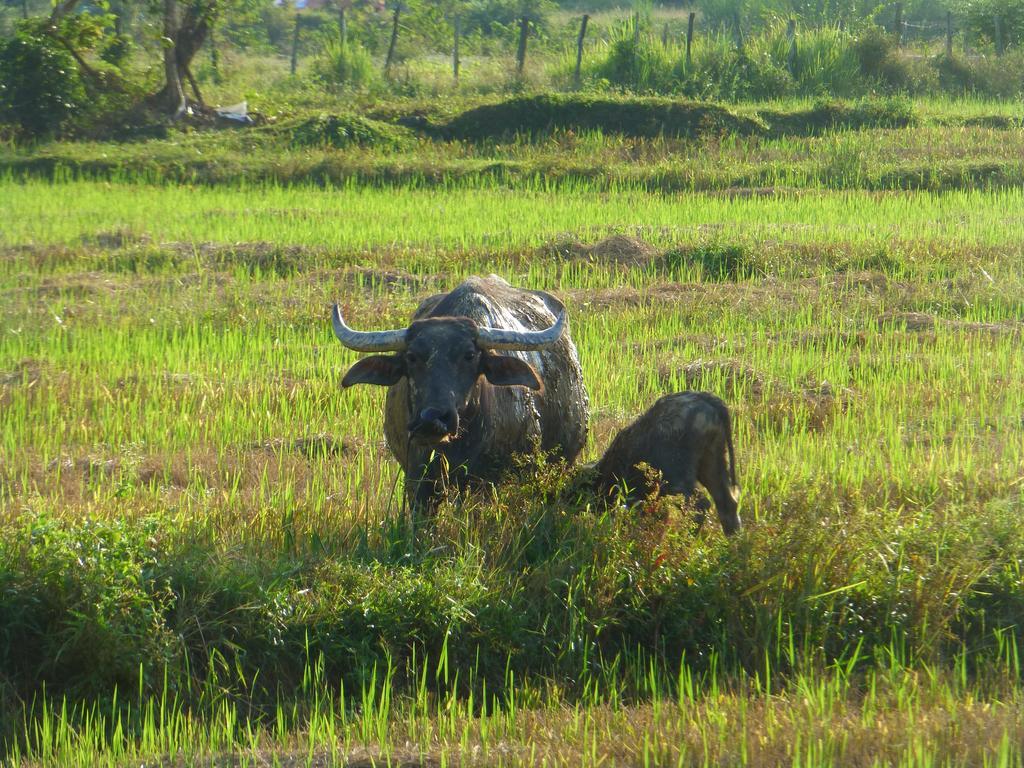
x=117 y=50
x=348 y=65
x=494 y=18
x=880 y=61
x=825 y=63
x=636 y=63
x=719 y=71
x=999 y=76
x=40 y=87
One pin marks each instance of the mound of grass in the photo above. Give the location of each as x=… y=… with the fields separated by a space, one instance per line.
x=640 y=117
x=342 y=131
x=832 y=114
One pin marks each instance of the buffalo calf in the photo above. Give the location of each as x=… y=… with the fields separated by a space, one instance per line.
x=687 y=436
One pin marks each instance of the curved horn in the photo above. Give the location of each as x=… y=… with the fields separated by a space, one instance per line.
x=373 y=341
x=524 y=341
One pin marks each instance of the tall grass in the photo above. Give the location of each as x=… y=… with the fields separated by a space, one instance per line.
x=890 y=714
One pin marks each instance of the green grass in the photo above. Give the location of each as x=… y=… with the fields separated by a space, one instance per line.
x=172 y=531
x=354 y=224
x=939 y=154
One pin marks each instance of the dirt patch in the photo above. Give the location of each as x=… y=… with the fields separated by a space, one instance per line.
x=736 y=376
x=114 y=239
x=1008 y=327
x=27 y=372
x=811 y=408
x=748 y=193
x=923 y=323
x=282 y=260
x=821 y=339
x=910 y=321
x=869 y=280
x=617 y=249
x=314 y=446
x=89 y=467
x=665 y=293
x=621 y=249
x=391 y=280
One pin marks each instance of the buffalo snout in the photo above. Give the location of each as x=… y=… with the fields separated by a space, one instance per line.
x=434 y=424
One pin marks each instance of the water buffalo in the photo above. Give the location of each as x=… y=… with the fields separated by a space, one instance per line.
x=456 y=409
x=687 y=436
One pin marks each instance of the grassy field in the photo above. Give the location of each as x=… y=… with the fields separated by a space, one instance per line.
x=204 y=559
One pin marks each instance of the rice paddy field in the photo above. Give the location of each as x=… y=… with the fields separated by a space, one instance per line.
x=204 y=556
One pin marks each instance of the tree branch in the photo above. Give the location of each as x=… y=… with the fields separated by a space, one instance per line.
x=61 y=10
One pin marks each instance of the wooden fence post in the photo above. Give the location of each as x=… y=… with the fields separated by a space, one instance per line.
x=689 y=37
x=664 y=36
x=791 y=55
x=214 y=56
x=999 y=34
x=579 y=50
x=949 y=35
x=455 y=48
x=898 y=25
x=636 y=50
x=737 y=31
x=524 y=31
x=295 y=44
x=342 y=24
x=394 y=40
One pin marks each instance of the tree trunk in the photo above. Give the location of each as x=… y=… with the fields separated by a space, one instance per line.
x=689 y=38
x=195 y=87
x=61 y=10
x=524 y=31
x=174 y=95
x=184 y=34
x=579 y=50
x=394 y=41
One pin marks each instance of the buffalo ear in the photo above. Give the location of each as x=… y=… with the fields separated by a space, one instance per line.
x=383 y=370
x=504 y=371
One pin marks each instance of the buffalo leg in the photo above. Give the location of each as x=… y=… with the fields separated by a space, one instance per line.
x=715 y=477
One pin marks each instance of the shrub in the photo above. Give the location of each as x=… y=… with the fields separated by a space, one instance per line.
x=40 y=87
x=872 y=48
x=636 y=63
x=348 y=65
x=999 y=76
x=720 y=72
x=825 y=63
x=880 y=61
x=117 y=50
